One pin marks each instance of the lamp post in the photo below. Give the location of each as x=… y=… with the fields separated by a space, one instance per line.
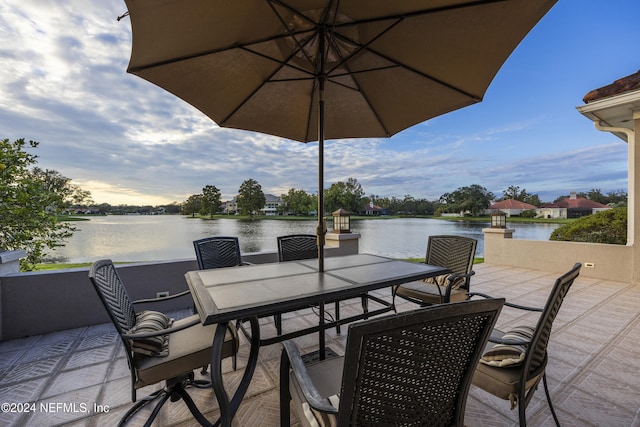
x=498 y=219
x=341 y=219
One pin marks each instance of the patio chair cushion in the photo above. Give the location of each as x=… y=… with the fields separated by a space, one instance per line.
x=430 y=293
x=502 y=381
x=150 y=321
x=443 y=280
x=318 y=419
x=187 y=348
x=326 y=375
x=506 y=355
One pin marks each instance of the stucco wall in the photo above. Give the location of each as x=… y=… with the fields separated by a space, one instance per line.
x=42 y=302
x=611 y=262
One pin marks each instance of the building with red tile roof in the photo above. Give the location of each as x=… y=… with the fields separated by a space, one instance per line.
x=511 y=207
x=573 y=206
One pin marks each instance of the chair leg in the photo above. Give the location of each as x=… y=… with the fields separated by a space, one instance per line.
x=156 y=410
x=277 y=319
x=393 y=298
x=365 y=305
x=141 y=404
x=174 y=390
x=285 y=395
x=182 y=393
x=546 y=391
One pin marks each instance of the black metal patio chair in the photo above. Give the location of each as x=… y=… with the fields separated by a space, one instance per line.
x=218 y=252
x=409 y=369
x=515 y=361
x=456 y=253
x=157 y=347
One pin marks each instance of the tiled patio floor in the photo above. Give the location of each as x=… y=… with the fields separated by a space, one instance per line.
x=594 y=369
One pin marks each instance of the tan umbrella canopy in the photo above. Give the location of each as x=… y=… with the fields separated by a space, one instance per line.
x=311 y=70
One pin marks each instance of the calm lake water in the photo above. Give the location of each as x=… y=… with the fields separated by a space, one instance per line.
x=168 y=237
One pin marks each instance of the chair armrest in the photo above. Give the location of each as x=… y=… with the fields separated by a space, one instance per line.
x=508 y=304
x=451 y=279
x=180 y=294
x=161 y=332
x=454 y=276
x=311 y=394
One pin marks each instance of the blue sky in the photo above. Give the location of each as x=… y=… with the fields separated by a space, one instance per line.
x=63 y=83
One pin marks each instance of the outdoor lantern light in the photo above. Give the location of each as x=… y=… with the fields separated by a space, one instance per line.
x=498 y=219
x=341 y=219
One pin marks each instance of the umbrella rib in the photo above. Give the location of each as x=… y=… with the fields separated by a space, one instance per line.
x=291 y=33
x=427 y=76
x=285 y=63
x=471 y=3
x=366 y=47
x=360 y=46
x=137 y=69
x=267 y=80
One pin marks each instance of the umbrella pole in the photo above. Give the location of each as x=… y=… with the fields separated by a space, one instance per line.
x=321 y=229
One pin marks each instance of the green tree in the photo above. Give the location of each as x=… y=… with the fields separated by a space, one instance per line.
x=173 y=208
x=617 y=198
x=250 y=197
x=211 y=203
x=348 y=195
x=612 y=198
x=55 y=182
x=532 y=199
x=192 y=205
x=596 y=195
x=29 y=207
x=514 y=192
x=298 y=202
x=472 y=199
x=608 y=226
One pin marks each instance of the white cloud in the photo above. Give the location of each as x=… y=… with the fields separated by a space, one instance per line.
x=63 y=82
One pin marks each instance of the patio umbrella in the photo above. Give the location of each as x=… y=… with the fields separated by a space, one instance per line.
x=311 y=70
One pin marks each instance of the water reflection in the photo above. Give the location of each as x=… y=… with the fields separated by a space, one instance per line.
x=153 y=238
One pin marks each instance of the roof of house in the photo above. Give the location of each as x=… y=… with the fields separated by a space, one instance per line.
x=575 y=202
x=579 y=203
x=271 y=198
x=512 y=204
x=622 y=85
x=374 y=208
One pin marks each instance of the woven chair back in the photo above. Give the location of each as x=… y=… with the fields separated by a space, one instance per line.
x=217 y=252
x=537 y=357
x=414 y=368
x=296 y=247
x=453 y=252
x=113 y=295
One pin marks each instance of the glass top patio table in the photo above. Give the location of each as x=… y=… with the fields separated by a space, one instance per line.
x=227 y=294
x=224 y=295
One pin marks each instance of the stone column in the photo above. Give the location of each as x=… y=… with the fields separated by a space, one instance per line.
x=494 y=243
x=342 y=243
x=10 y=261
